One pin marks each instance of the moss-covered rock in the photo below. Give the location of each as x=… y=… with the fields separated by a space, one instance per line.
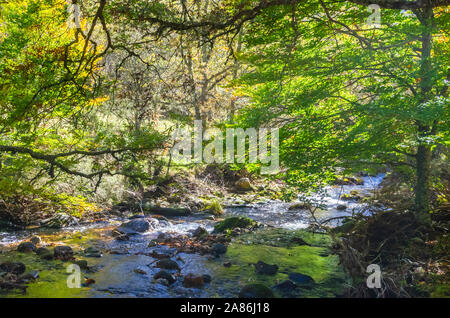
x=235 y=222
x=256 y=291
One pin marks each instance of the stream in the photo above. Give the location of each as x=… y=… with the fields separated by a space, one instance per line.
x=126 y=268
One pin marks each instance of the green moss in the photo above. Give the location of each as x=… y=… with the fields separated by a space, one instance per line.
x=214 y=207
x=234 y=222
x=329 y=277
x=52 y=281
x=309 y=260
x=285 y=238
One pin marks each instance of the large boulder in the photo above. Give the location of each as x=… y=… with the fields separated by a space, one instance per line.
x=256 y=291
x=135 y=226
x=64 y=253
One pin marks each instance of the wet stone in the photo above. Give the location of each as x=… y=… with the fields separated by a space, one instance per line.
x=286 y=286
x=134 y=226
x=92 y=252
x=199 y=232
x=164 y=275
x=64 y=253
x=30 y=276
x=192 y=281
x=82 y=263
x=166 y=263
x=218 y=249
x=207 y=278
x=44 y=253
x=256 y=291
x=35 y=240
x=301 y=278
x=26 y=247
x=265 y=269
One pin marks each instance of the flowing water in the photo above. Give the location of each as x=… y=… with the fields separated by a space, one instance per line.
x=125 y=268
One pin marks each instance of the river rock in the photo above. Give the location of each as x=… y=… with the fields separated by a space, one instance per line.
x=26 y=247
x=164 y=275
x=234 y=222
x=168 y=212
x=199 y=232
x=341 y=207
x=285 y=286
x=44 y=253
x=243 y=185
x=119 y=235
x=35 y=240
x=256 y=291
x=134 y=226
x=192 y=281
x=167 y=263
x=301 y=278
x=218 y=249
x=64 y=253
x=354 y=195
x=30 y=276
x=92 y=252
x=82 y=263
x=16 y=268
x=137 y=216
x=207 y=278
x=265 y=269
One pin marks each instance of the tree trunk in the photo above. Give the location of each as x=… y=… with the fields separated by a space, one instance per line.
x=423 y=157
x=422 y=190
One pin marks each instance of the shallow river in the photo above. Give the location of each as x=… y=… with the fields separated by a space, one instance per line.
x=126 y=270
